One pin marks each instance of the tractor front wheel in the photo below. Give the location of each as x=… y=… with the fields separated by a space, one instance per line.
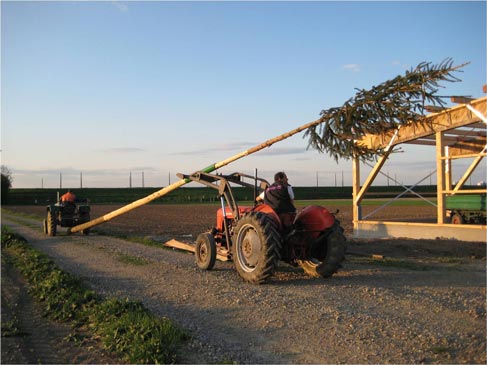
x=51 y=224
x=255 y=247
x=205 y=251
x=328 y=256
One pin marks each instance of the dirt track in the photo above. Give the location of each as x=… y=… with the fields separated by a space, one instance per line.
x=425 y=305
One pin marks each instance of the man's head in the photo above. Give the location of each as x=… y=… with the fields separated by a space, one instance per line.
x=280 y=177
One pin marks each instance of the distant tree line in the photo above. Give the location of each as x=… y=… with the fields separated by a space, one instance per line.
x=6 y=183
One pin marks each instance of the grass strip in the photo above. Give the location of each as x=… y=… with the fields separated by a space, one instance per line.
x=125 y=327
x=22 y=218
x=131 y=260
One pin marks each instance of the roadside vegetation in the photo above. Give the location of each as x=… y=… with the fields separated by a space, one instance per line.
x=6 y=183
x=126 y=328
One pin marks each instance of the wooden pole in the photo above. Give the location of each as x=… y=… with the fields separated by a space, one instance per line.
x=138 y=203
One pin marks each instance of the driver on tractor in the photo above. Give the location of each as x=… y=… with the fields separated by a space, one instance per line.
x=69 y=197
x=280 y=197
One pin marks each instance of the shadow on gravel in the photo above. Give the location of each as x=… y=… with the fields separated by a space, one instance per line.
x=471 y=274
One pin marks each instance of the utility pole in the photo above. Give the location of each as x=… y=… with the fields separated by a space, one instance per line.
x=60 y=180
x=81 y=180
x=130 y=180
x=316 y=178
x=169 y=177
x=143 y=183
x=42 y=183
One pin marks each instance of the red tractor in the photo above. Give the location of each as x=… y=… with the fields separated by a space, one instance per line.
x=255 y=238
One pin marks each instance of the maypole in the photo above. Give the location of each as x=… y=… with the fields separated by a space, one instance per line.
x=138 y=203
x=384 y=107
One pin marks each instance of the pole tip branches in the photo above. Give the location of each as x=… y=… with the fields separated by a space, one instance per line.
x=386 y=106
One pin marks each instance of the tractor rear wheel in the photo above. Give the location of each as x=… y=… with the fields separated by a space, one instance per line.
x=329 y=255
x=51 y=224
x=255 y=247
x=205 y=251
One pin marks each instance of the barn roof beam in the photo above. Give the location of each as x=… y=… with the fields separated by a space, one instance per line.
x=458 y=116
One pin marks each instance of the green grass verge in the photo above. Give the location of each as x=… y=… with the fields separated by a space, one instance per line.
x=22 y=218
x=125 y=327
x=132 y=260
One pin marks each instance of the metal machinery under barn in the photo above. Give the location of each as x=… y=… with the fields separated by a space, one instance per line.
x=457 y=133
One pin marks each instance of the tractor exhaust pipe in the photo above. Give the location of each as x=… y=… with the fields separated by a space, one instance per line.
x=138 y=203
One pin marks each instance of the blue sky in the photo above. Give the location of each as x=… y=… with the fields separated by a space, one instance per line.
x=109 y=88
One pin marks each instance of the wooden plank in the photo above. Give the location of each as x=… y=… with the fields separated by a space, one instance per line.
x=461 y=100
x=191 y=248
x=433 y=108
x=469 y=155
x=358 y=196
x=468 y=173
x=466 y=191
x=180 y=245
x=467 y=132
x=421 y=142
x=464 y=148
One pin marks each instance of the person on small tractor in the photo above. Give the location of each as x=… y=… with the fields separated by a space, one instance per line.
x=280 y=197
x=68 y=212
x=68 y=197
x=68 y=201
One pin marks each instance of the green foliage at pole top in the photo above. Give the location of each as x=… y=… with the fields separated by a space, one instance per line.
x=384 y=107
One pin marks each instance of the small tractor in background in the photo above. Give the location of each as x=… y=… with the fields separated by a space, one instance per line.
x=66 y=214
x=255 y=238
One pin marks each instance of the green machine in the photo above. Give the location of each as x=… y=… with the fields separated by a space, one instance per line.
x=466 y=208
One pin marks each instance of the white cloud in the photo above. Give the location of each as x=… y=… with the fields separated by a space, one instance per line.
x=235 y=146
x=123 y=150
x=123 y=7
x=400 y=64
x=351 y=67
x=277 y=151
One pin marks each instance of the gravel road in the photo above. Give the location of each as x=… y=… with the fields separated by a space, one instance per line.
x=430 y=310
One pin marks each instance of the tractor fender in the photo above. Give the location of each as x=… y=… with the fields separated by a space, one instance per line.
x=315 y=219
x=266 y=209
x=220 y=226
